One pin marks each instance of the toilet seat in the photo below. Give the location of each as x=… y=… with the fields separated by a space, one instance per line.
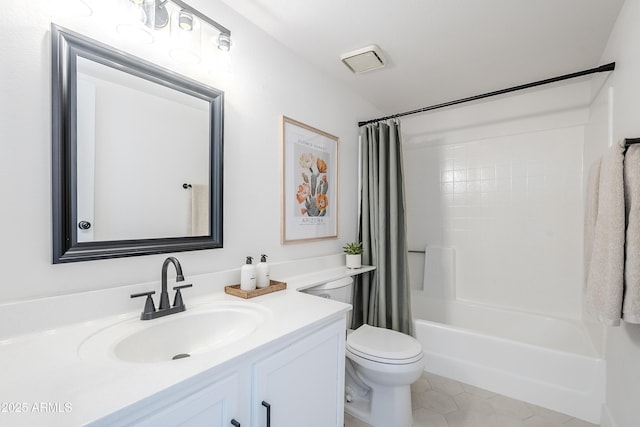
x=384 y=345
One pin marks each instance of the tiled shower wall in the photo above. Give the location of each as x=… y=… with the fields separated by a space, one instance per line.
x=511 y=206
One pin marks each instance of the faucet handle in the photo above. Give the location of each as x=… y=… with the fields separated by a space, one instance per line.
x=149 y=307
x=177 y=300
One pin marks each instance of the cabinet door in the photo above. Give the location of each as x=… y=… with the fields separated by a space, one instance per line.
x=215 y=405
x=304 y=383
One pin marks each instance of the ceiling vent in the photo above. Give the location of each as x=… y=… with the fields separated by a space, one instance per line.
x=365 y=59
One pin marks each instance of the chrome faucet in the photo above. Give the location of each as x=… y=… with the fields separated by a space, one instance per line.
x=164 y=308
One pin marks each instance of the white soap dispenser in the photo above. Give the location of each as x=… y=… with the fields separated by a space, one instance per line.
x=248 y=276
x=262 y=272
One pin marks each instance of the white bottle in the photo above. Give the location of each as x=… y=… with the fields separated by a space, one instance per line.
x=248 y=276
x=262 y=273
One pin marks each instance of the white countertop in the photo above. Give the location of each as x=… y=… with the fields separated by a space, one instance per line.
x=44 y=380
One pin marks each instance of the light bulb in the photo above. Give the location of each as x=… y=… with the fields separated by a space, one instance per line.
x=224 y=42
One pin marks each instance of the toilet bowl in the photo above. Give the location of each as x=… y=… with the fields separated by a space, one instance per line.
x=387 y=363
x=381 y=365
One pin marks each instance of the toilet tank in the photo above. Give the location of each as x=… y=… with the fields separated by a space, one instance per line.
x=339 y=290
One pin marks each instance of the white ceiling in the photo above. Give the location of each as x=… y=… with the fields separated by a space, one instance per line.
x=439 y=50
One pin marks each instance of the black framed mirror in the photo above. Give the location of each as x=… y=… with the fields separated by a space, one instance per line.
x=137 y=156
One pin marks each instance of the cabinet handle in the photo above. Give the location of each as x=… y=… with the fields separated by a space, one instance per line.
x=268 y=406
x=234 y=423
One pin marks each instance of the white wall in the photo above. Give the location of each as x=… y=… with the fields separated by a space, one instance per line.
x=616 y=115
x=262 y=81
x=500 y=182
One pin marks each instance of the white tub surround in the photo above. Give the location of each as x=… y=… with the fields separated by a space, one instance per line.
x=44 y=369
x=500 y=182
x=546 y=361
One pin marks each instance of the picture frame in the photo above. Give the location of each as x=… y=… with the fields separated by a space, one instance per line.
x=309 y=183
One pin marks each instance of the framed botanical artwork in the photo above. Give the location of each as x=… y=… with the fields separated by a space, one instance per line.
x=309 y=183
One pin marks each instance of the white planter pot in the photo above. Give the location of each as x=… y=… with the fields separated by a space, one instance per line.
x=354 y=261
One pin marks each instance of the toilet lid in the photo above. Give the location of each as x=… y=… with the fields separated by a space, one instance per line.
x=384 y=345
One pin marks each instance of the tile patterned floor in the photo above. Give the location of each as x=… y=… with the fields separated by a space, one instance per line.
x=442 y=402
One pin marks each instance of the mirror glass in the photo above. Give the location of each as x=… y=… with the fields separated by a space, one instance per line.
x=137 y=155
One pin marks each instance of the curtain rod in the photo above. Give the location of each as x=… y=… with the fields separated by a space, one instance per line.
x=607 y=67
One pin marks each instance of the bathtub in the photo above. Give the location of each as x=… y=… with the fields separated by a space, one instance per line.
x=545 y=361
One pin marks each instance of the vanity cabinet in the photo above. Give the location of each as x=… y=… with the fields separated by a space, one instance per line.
x=300 y=378
x=302 y=385
x=212 y=406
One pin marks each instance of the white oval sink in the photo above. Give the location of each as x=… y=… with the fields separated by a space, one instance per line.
x=196 y=331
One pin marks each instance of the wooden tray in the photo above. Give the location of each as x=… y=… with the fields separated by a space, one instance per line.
x=273 y=287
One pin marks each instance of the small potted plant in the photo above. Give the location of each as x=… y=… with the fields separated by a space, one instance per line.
x=354 y=254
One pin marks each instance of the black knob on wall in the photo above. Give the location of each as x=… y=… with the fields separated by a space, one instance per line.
x=84 y=225
x=234 y=423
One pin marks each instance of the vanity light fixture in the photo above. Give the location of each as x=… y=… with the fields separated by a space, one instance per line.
x=224 y=42
x=144 y=15
x=185 y=20
x=137 y=19
x=224 y=39
x=185 y=37
x=188 y=17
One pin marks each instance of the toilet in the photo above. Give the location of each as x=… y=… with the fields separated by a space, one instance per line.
x=381 y=365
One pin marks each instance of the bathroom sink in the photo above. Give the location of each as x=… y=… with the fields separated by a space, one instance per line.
x=198 y=330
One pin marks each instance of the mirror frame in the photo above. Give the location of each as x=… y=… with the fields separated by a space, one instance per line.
x=66 y=48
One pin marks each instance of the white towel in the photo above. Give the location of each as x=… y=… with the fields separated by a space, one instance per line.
x=200 y=210
x=631 y=299
x=591 y=215
x=439 y=272
x=605 y=272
